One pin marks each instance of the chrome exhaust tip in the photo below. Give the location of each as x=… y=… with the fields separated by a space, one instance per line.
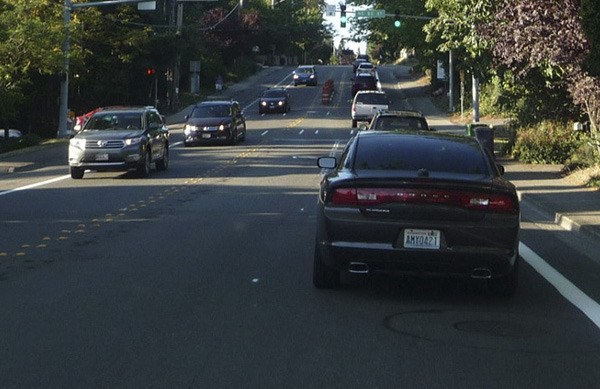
x=481 y=272
x=358 y=268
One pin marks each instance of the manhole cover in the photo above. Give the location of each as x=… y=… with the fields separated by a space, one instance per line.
x=496 y=330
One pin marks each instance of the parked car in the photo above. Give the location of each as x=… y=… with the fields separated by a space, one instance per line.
x=120 y=138
x=274 y=100
x=305 y=74
x=366 y=104
x=415 y=202
x=364 y=81
x=399 y=120
x=215 y=121
x=12 y=133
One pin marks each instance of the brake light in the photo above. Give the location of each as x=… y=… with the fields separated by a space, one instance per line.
x=468 y=200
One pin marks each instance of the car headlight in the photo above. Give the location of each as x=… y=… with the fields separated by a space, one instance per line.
x=280 y=103
x=78 y=143
x=263 y=103
x=312 y=76
x=295 y=76
x=223 y=127
x=133 y=141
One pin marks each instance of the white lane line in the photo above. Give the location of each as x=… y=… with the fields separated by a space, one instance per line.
x=301 y=132
x=351 y=132
x=264 y=133
x=566 y=288
x=35 y=185
x=316 y=132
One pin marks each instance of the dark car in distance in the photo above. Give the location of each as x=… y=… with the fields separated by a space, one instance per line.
x=416 y=203
x=399 y=120
x=274 y=100
x=305 y=74
x=120 y=138
x=217 y=121
x=364 y=81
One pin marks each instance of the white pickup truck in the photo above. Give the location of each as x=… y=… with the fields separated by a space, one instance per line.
x=366 y=104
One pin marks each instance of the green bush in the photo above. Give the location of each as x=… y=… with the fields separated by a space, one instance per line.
x=584 y=156
x=26 y=140
x=546 y=142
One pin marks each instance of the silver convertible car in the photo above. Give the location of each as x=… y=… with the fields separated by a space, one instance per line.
x=418 y=203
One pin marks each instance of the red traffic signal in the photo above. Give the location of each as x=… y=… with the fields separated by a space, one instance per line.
x=150 y=71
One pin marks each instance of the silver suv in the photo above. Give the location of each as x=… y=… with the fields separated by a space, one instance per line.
x=366 y=104
x=120 y=138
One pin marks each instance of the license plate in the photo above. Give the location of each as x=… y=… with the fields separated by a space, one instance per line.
x=101 y=157
x=206 y=136
x=422 y=239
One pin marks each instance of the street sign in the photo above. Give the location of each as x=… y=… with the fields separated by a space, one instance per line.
x=370 y=13
x=147 y=6
x=330 y=10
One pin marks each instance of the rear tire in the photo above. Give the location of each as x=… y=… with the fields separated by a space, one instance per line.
x=77 y=173
x=163 y=163
x=506 y=286
x=324 y=277
x=143 y=169
x=234 y=138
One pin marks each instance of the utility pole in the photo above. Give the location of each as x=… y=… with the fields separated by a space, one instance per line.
x=450 y=82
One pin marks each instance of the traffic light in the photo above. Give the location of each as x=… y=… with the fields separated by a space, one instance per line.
x=397 y=22
x=150 y=71
x=343 y=17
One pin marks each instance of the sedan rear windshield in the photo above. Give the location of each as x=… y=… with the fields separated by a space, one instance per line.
x=389 y=123
x=366 y=80
x=413 y=153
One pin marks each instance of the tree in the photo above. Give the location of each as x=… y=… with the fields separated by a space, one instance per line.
x=30 y=41
x=549 y=36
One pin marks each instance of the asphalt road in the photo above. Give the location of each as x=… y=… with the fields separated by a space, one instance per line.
x=200 y=276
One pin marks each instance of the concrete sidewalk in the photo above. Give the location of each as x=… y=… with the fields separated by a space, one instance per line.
x=571 y=205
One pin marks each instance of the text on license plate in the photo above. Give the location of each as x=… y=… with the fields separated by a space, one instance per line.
x=206 y=136
x=101 y=157
x=422 y=239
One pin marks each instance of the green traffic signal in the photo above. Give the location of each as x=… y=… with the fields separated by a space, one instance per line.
x=397 y=23
x=397 y=18
x=343 y=18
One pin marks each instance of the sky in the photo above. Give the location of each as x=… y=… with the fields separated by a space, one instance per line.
x=344 y=32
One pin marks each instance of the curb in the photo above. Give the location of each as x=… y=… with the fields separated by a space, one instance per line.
x=566 y=222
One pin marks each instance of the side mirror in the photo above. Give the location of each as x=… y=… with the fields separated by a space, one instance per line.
x=501 y=169
x=327 y=162
x=363 y=127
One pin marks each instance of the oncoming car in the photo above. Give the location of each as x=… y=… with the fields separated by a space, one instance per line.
x=274 y=100
x=305 y=74
x=416 y=202
x=219 y=121
x=124 y=138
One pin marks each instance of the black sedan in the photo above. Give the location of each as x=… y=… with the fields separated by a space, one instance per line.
x=418 y=203
x=274 y=100
x=217 y=121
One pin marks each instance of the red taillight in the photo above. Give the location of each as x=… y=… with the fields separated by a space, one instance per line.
x=344 y=196
x=469 y=200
